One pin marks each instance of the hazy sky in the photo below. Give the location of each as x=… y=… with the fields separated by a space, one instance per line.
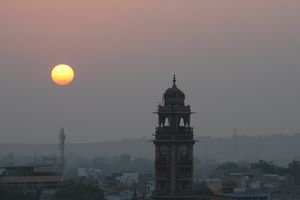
x=237 y=61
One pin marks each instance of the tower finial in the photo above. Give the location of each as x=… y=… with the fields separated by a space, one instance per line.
x=174 y=79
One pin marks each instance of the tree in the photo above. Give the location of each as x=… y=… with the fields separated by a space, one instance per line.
x=230 y=167
x=6 y=194
x=79 y=191
x=294 y=165
x=267 y=167
x=294 y=170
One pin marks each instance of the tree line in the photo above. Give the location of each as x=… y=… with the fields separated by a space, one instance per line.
x=267 y=167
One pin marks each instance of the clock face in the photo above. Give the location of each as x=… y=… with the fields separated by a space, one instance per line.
x=164 y=150
x=183 y=150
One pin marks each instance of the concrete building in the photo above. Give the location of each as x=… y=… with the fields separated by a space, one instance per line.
x=93 y=173
x=32 y=179
x=241 y=196
x=128 y=179
x=44 y=176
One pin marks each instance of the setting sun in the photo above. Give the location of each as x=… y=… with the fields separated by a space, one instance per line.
x=62 y=74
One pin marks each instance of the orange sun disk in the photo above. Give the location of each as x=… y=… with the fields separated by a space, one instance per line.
x=62 y=74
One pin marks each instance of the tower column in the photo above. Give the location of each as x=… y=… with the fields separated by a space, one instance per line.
x=174 y=148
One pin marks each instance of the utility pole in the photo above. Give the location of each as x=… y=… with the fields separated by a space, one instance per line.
x=61 y=147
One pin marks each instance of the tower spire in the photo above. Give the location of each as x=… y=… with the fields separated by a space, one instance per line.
x=174 y=79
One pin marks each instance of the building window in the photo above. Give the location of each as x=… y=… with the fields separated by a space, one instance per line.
x=183 y=154
x=163 y=154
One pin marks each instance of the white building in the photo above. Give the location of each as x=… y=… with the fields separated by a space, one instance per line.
x=128 y=179
x=93 y=173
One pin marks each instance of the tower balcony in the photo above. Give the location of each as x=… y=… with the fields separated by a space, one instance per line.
x=175 y=109
x=179 y=133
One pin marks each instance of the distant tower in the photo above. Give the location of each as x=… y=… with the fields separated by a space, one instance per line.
x=174 y=142
x=235 y=153
x=62 y=138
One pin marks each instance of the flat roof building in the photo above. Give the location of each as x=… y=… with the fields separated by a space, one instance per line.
x=240 y=196
x=32 y=179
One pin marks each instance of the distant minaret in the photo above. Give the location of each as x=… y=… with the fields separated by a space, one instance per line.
x=62 y=138
x=235 y=153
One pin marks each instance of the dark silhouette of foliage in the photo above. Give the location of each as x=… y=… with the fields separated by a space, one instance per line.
x=268 y=167
x=230 y=167
x=294 y=170
x=6 y=194
x=79 y=190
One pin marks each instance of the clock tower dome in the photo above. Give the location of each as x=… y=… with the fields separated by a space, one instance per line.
x=174 y=140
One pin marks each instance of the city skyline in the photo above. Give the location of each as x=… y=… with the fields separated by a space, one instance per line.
x=237 y=61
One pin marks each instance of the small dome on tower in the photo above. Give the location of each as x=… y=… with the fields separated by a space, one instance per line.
x=174 y=96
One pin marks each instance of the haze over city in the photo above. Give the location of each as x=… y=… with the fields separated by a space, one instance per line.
x=237 y=62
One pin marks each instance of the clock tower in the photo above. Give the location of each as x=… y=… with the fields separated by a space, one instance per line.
x=174 y=142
